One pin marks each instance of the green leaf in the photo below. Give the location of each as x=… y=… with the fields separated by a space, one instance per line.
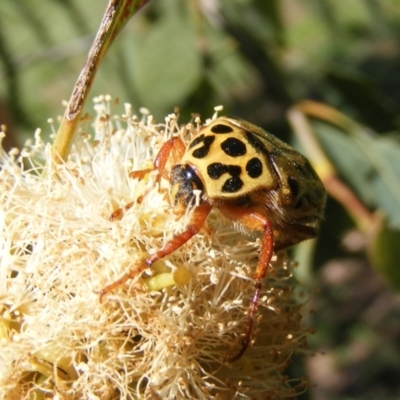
x=384 y=254
x=384 y=156
x=347 y=158
x=369 y=163
x=166 y=63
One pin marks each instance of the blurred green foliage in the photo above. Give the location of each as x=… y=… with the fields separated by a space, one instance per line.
x=257 y=58
x=253 y=56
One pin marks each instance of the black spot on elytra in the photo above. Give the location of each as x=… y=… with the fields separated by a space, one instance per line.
x=216 y=170
x=233 y=147
x=231 y=185
x=196 y=141
x=256 y=143
x=202 y=151
x=221 y=128
x=254 y=167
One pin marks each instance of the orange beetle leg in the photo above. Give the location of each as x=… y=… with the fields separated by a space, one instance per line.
x=140 y=174
x=197 y=220
x=254 y=221
x=174 y=148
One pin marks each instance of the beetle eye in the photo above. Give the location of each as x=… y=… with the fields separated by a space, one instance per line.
x=189 y=174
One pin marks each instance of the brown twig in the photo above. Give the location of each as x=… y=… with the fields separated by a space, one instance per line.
x=116 y=15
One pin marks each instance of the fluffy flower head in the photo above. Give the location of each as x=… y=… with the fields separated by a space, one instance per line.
x=164 y=334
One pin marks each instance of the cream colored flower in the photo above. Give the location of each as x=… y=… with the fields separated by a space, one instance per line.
x=58 y=247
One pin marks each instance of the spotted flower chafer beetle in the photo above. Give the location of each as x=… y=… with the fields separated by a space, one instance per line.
x=253 y=178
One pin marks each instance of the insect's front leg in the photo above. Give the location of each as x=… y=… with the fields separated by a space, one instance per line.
x=196 y=222
x=172 y=150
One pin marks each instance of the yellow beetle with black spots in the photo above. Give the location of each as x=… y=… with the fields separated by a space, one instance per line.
x=253 y=178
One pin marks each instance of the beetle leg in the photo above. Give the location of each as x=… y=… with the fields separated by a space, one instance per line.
x=258 y=222
x=173 y=149
x=196 y=222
